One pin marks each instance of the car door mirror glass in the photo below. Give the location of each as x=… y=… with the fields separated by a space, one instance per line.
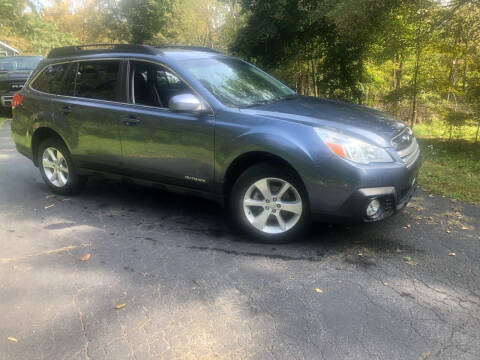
x=186 y=103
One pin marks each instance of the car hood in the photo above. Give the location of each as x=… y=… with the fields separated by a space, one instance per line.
x=370 y=124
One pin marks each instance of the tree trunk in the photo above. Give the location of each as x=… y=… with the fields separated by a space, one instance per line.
x=315 y=81
x=395 y=85
x=418 y=53
x=464 y=84
x=413 y=116
x=399 y=84
x=478 y=128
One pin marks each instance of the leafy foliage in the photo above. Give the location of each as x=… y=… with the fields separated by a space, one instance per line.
x=419 y=59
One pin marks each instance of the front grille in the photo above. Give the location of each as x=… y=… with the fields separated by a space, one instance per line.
x=406 y=146
x=6 y=101
x=16 y=86
x=7 y=86
x=4 y=86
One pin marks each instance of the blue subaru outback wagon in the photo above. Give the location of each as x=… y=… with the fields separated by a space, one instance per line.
x=195 y=121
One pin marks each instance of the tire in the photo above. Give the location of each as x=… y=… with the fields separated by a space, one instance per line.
x=61 y=176
x=262 y=214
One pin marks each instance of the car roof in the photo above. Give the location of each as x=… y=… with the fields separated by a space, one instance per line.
x=177 y=52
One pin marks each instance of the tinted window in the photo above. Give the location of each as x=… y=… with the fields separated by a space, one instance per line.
x=98 y=80
x=69 y=81
x=154 y=85
x=50 y=80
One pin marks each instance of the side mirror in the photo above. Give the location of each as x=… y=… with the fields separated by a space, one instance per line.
x=186 y=103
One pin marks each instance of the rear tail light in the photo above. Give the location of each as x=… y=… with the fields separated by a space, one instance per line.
x=17 y=100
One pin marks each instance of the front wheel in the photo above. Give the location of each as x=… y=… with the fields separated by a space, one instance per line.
x=57 y=168
x=270 y=203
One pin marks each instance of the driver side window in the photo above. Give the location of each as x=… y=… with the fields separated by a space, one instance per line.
x=153 y=85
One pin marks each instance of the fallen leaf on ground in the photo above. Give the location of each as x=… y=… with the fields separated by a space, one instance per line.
x=409 y=261
x=319 y=290
x=50 y=196
x=85 y=257
x=120 y=306
x=452 y=254
x=12 y=339
x=49 y=206
x=447 y=231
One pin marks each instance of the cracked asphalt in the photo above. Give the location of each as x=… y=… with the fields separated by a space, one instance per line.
x=195 y=288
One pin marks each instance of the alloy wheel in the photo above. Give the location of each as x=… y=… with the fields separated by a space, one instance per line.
x=272 y=205
x=55 y=167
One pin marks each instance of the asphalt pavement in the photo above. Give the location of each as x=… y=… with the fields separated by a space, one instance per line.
x=165 y=276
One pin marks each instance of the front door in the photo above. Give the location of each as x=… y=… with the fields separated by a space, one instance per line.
x=161 y=145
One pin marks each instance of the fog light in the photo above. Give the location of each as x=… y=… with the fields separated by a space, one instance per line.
x=373 y=208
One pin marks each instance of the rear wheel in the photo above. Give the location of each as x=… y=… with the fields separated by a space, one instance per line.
x=57 y=168
x=269 y=202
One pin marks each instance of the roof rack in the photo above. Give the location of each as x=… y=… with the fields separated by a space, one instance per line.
x=187 y=47
x=101 y=48
x=125 y=48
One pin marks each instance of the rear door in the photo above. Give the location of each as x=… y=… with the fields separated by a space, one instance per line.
x=158 y=144
x=90 y=110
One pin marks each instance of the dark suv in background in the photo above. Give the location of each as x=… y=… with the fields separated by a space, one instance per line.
x=195 y=121
x=14 y=73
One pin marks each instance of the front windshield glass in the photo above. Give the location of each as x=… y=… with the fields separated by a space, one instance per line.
x=236 y=83
x=19 y=63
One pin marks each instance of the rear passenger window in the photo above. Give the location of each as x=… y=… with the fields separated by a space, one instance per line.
x=98 y=80
x=69 y=81
x=50 y=80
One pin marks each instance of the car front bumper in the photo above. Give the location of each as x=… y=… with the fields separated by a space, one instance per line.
x=347 y=193
x=391 y=201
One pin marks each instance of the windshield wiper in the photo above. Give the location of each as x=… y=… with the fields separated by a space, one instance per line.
x=288 y=97
x=260 y=102
x=271 y=101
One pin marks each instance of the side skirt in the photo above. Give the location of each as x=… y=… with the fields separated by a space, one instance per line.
x=167 y=187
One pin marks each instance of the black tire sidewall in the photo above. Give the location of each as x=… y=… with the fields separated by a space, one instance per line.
x=254 y=174
x=74 y=183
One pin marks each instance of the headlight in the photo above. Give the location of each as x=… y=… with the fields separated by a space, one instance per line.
x=353 y=149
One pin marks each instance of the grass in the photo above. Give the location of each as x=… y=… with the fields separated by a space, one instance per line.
x=451 y=167
x=2 y=120
x=438 y=130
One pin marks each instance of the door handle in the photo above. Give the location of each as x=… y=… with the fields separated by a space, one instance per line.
x=66 y=110
x=130 y=120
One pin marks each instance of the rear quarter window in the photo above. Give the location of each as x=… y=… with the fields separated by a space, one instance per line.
x=50 y=79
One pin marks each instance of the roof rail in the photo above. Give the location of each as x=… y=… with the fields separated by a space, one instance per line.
x=100 y=48
x=187 y=47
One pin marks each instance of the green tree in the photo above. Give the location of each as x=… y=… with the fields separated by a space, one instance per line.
x=145 y=20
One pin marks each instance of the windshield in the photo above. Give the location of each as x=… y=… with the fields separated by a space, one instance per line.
x=237 y=83
x=19 y=63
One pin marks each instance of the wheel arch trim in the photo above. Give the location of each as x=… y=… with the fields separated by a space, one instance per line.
x=41 y=127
